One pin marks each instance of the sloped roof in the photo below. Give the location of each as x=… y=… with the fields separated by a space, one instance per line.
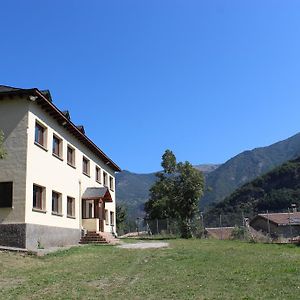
x=95 y=193
x=5 y=88
x=43 y=98
x=281 y=219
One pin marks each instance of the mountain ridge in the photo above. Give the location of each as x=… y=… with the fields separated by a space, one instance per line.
x=221 y=181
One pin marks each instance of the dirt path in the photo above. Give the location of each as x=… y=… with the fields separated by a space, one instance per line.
x=146 y=245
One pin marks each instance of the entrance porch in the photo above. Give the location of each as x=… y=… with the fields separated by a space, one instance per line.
x=93 y=208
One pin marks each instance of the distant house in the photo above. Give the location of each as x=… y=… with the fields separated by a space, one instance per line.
x=54 y=182
x=279 y=225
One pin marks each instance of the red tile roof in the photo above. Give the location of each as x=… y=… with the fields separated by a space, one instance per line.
x=281 y=219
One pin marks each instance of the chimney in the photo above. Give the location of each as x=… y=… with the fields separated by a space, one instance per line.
x=294 y=208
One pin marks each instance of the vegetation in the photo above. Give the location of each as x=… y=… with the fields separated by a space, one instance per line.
x=121 y=216
x=188 y=269
x=176 y=193
x=247 y=166
x=2 y=150
x=221 y=181
x=133 y=191
x=274 y=191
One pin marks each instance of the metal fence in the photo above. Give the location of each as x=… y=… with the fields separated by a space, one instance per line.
x=222 y=226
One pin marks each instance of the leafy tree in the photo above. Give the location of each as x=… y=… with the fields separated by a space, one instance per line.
x=121 y=215
x=176 y=193
x=189 y=186
x=2 y=150
x=168 y=162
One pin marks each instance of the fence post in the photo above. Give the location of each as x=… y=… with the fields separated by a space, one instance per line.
x=290 y=227
x=168 y=231
x=244 y=227
x=202 y=224
x=157 y=226
x=269 y=229
x=221 y=227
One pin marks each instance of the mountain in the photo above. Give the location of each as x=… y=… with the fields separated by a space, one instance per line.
x=246 y=166
x=221 y=180
x=133 y=189
x=275 y=191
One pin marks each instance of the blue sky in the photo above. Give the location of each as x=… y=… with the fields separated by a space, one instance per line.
x=207 y=79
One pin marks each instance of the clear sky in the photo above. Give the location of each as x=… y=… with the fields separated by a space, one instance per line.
x=207 y=79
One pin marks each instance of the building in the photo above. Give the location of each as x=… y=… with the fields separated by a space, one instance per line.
x=54 y=181
x=219 y=233
x=278 y=225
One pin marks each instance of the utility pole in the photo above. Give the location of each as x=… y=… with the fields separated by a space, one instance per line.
x=202 y=223
x=291 y=233
x=244 y=231
x=269 y=229
x=221 y=227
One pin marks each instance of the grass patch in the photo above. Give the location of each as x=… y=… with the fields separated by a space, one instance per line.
x=189 y=269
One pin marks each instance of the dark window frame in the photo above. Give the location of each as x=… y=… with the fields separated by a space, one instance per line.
x=6 y=194
x=56 y=203
x=38 y=197
x=40 y=134
x=98 y=174
x=112 y=218
x=57 y=146
x=85 y=166
x=111 y=183
x=105 y=177
x=71 y=154
x=70 y=207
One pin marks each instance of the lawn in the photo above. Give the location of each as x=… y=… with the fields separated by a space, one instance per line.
x=189 y=269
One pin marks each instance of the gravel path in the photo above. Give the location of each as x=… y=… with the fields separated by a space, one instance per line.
x=146 y=245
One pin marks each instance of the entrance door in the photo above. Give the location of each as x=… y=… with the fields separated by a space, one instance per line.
x=101 y=214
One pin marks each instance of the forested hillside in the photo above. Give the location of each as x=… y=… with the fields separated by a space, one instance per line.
x=275 y=191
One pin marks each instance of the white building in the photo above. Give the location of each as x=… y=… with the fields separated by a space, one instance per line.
x=54 y=181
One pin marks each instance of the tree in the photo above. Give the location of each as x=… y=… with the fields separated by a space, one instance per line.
x=2 y=150
x=161 y=193
x=176 y=193
x=121 y=215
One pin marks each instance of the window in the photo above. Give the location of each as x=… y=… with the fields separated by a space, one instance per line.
x=98 y=174
x=38 y=197
x=56 y=203
x=106 y=217
x=85 y=166
x=71 y=156
x=40 y=134
x=104 y=178
x=111 y=183
x=112 y=218
x=57 y=146
x=70 y=207
x=6 y=192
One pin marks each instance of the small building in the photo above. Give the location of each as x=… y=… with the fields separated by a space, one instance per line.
x=278 y=225
x=220 y=233
x=55 y=183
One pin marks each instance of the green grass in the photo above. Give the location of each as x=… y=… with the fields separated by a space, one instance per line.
x=189 y=269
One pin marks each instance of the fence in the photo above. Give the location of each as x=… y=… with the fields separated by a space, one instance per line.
x=225 y=226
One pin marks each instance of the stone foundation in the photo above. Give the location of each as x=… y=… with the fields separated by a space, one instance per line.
x=13 y=235
x=50 y=236
x=32 y=236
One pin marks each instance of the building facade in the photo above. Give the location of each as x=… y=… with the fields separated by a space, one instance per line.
x=54 y=181
x=278 y=225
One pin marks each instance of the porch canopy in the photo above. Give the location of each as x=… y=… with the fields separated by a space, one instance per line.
x=97 y=193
